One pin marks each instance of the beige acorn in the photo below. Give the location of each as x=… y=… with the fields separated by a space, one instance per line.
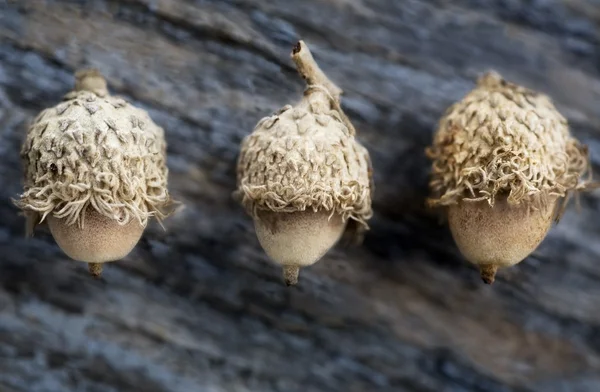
x=95 y=170
x=303 y=176
x=504 y=163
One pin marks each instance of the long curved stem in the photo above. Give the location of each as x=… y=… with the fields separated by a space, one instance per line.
x=310 y=70
x=313 y=75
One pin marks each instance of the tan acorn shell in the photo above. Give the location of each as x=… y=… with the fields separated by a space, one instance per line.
x=503 y=162
x=94 y=154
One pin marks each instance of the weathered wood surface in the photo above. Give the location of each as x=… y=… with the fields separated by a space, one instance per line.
x=199 y=307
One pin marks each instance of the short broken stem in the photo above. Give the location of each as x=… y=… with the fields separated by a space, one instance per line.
x=488 y=273
x=91 y=80
x=311 y=72
x=95 y=269
x=490 y=79
x=290 y=274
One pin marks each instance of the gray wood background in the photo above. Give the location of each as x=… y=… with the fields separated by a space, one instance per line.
x=199 y=307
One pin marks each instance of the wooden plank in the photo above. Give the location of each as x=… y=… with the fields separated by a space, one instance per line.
x=199 y=307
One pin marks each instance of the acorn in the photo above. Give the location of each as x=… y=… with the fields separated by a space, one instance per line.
x=504 y=163
x=95 y=170
x=302 y=175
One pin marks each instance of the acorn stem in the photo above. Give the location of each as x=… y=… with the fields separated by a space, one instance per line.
x=311 y=72
x=290 y=274
x=488 y=273
x=91 y=80
x=490 y=79
x=95 y=269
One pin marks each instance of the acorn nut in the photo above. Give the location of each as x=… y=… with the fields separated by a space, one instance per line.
x=302 y=175
x=504 y=163
x=95 y=170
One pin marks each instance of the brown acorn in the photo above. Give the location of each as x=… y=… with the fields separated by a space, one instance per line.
x=303 y=176
x=503 y=164
x=95 y=170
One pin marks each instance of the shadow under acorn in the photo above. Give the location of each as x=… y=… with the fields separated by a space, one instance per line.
x=403 y=225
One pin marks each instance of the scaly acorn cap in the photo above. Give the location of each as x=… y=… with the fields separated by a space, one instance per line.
x=504 y=138
x=305 y=158
x=503 y=157
x=94 y=154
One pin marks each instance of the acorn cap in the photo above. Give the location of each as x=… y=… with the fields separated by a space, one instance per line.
x=94 y=150
x=502 y=137
x=306 y=157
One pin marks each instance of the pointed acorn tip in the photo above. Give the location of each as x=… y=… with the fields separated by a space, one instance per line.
x=95 y=270
x=488 y=273
x=290 y=275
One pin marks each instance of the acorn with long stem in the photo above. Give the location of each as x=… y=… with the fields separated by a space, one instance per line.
x=95 y=170
x=302 y=175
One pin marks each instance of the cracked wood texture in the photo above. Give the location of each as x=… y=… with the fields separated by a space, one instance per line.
x=199 y=307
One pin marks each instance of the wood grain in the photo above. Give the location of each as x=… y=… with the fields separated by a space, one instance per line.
x=199 y=307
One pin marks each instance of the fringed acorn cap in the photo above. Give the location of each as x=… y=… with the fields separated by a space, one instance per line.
x=306 y=157
x=94 y=151
x=503 y=138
